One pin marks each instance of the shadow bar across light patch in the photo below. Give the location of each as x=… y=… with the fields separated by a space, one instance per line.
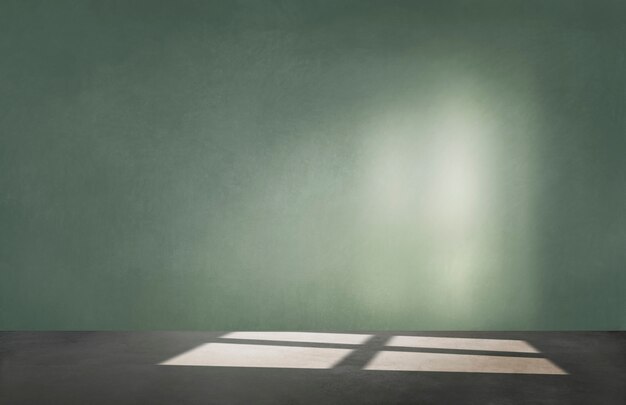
x=435 y=342
x=245 y=355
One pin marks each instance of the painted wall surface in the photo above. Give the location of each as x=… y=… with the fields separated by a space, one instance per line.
x=312 y=164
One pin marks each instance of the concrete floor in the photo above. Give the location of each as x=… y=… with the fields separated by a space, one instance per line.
x=361 y=368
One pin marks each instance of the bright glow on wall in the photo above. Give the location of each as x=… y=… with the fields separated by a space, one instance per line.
x=428 y=190
x=459 y=192
x=459 y=182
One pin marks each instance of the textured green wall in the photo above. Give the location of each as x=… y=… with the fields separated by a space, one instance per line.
x=313 y=164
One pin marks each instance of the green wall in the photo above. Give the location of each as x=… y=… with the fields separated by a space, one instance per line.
x=312 y=164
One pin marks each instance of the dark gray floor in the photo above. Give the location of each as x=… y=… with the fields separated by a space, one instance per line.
x=121 y=368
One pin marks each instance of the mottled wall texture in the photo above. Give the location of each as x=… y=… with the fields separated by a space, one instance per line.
x=307 y=164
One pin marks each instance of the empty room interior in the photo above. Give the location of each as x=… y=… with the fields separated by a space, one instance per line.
x=312 y=202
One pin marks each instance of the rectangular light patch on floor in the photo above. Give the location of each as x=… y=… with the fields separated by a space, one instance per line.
x=461 y=363
x=243 y=355
x=308 y=337
x=434 y=342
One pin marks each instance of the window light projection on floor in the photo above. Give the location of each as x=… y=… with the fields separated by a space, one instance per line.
x=307 y=337
x=430 y=342
x=244 y=355
x=399 y=353
x=461 y=363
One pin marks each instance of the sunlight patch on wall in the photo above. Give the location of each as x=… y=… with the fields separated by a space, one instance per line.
x=428 y=192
